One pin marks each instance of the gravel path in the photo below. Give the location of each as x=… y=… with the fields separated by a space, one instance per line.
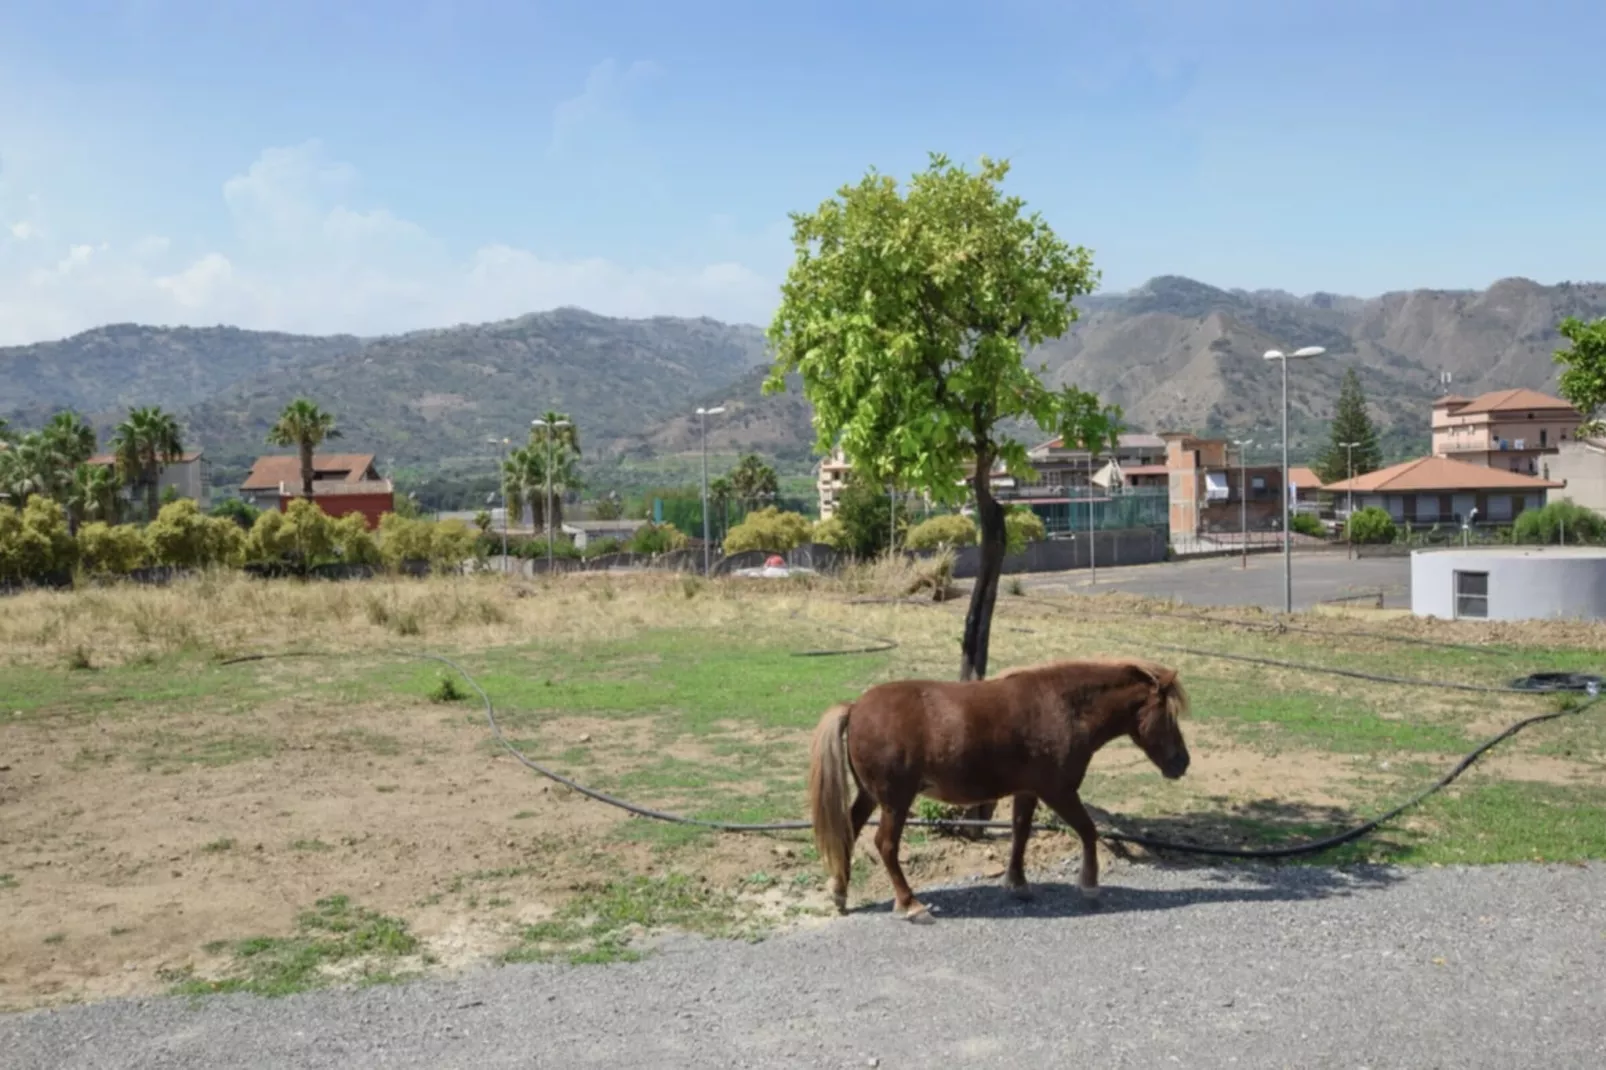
x=1300 y=967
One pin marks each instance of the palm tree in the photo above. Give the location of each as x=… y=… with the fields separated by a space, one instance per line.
x=73 y=438
x=148 y=439
x=566 y=438
x=91 y=495
x=306 y=427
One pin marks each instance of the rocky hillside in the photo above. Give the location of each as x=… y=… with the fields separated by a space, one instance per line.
x=1178 y=354
x=1174 y=353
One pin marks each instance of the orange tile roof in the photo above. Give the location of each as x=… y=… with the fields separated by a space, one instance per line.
x=1450 y=399
x=1511 y=400
x=1304 y=477
x=1441 y=474
x=268 y=472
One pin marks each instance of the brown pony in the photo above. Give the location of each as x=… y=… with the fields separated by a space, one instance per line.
x=1027 y=733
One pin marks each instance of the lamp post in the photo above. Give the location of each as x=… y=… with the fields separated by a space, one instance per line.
x=1092 y=527
x=1243 y=445
x=1288 y=535
x=702 y=420
x=1349 y=493
x=546 y=521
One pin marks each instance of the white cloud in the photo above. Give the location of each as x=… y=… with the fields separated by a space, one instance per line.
x=306 y=255
x=603 y=102
x=24 y=230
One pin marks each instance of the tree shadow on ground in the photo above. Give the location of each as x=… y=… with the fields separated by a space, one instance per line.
x=1206 y=880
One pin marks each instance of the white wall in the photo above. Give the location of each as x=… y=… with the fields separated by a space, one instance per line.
x=1528 y=583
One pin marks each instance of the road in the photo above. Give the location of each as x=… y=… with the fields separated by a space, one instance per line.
x=1222 y=581
x=1298 y=967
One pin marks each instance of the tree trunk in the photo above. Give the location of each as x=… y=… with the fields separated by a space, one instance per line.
x=152 y=474
x=306 y=468
x=983 y=596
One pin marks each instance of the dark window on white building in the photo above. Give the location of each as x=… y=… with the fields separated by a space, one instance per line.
x=1471 y=594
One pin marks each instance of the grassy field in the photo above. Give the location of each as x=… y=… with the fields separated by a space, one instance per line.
x=176 y=824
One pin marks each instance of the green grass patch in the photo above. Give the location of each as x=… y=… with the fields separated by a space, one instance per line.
x=219 y=846
x=600 y=924
x=1510 y=821
x=333 y=941
x=1269 y=718
x=7 y=882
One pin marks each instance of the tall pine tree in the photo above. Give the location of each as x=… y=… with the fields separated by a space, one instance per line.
x=1350 y=424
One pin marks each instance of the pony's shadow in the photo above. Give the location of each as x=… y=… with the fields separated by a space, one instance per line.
x=1245 y=883
x=1203 y=880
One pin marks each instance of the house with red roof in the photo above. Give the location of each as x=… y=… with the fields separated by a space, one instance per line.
x=1507 y=429
x=342 y=483
x=1445 y=490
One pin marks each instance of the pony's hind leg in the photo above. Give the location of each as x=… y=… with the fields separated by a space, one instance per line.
x=863 y=806
x=1025 y=805
x=887 y=838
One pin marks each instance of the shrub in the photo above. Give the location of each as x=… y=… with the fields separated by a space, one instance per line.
x=599 y=547
x=768 y=529
x=831 y=533
x=354 y=542
x=112 y=549
x=943 y=532
x=34 y=541
x=657 y=539
x=1306 y=524
x=1557 y=521
x=1370 y=525
x=1022 y=526
x=242 y=513
x=451 y=542
x=402 y=539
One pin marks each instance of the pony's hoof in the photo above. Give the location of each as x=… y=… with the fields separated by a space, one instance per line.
x=917 y=915
x=1090 y=891
x=841 y=903
x=1022 y=892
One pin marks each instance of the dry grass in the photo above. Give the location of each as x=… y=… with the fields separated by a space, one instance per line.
x=135 y=759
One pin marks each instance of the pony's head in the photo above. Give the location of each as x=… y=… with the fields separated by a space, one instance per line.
x=1155 y=729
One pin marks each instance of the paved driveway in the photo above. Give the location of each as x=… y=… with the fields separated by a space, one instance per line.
x=1222 y=581
x=1497 y=967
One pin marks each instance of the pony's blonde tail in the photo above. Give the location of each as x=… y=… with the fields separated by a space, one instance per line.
x=829 y=804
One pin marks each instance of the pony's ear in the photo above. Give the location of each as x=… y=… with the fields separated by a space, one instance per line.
x=1163 y=677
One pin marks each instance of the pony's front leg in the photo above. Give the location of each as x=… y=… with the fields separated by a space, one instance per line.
x=1024 y=806
x=887 y=838
x=1074 y=814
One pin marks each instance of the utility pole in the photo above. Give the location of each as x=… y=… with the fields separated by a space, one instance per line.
x=1287 y=504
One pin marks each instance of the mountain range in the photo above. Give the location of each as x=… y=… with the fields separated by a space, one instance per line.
x=1174 y=353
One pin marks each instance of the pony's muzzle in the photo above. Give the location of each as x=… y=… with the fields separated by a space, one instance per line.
x=1177 y=766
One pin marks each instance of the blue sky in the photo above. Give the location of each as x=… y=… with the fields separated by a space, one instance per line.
x=372 y=167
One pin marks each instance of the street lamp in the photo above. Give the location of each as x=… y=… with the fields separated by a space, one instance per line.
x=1288 y=535
x=546 y=521
x=702 y=421
x=1243 y=445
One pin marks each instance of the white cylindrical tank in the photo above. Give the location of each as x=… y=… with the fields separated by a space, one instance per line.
x=1510 y=583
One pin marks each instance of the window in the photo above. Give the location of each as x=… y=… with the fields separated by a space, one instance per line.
x=1471 y=594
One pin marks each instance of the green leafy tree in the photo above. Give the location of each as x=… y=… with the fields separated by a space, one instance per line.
x=148 y=439
x=1583 y=382
x=112 y=549
x=831 y=533
x=403 y=539
x=752 y=481
x=768 y=529
x=868 y=515
x=451 y=542
x=1350 y=424
x=303 y=426
x=908 y=317
x=608 y=507
x=72 y=438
